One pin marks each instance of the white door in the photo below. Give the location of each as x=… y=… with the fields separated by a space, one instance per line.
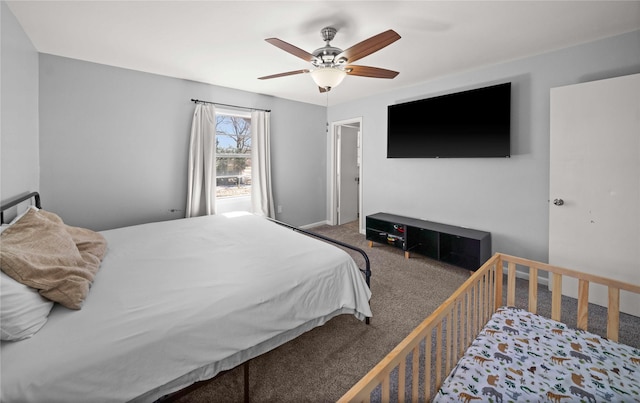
x=348 y=174
x=594 y=224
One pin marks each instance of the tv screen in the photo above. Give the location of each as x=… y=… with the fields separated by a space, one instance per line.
x=469 y=124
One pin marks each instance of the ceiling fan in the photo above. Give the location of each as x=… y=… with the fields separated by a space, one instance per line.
x=330 y=64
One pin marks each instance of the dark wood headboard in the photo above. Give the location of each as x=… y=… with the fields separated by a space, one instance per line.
x=17 y=200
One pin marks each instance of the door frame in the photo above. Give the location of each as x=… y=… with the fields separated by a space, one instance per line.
x=333 y=185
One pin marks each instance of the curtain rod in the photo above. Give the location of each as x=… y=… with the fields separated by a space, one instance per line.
x=232 y=106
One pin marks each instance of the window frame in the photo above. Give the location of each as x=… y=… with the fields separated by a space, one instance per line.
x=233 y=113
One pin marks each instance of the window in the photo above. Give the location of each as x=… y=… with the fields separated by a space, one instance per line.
x=233 y=154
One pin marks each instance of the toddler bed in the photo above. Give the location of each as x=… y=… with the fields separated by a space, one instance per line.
x=173 y=303
x=492 y=352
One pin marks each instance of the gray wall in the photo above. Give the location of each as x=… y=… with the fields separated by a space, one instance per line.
x=114 y=145
x=506 y=196
x=19 y=163
x=111 y=143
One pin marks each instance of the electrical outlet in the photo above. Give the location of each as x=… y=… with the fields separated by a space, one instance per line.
x=279 y=209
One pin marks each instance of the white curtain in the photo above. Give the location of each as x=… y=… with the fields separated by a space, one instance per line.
x=202 y=162
x=261 y=192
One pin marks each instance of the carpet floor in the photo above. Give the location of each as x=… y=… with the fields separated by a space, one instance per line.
x=322 y=364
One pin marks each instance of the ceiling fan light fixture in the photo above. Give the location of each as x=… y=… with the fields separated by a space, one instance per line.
x=328 y=77
x=329 y=64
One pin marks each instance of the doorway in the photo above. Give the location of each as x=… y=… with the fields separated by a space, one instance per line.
x=346 y=172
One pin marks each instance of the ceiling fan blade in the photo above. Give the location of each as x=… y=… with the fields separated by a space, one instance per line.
x=374 y=72
x=288 y=73
x=368 y=46
x=287 y=47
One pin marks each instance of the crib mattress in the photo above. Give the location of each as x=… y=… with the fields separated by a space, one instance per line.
x=524 y=357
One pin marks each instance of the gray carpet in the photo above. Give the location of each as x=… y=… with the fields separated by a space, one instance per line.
x=322 y=364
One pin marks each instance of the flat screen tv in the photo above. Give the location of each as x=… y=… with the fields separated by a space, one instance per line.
x=469 y=124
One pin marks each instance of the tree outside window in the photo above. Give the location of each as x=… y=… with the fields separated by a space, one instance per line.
x=233 y=156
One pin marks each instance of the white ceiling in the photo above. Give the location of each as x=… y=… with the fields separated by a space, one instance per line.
x=222 y=42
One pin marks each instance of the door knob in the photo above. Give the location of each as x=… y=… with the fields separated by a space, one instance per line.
x=558 y=202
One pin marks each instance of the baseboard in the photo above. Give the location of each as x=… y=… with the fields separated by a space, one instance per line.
x=519 y=274
x=317 y=224
x=525 y=275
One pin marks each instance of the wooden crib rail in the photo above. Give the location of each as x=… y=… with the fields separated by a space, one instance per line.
x=556 y=274
x=464 y=313
x=471 y=304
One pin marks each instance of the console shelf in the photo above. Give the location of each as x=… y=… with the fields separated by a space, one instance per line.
x=464 y=247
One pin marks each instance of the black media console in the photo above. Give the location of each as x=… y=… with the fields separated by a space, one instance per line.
x=464 y=247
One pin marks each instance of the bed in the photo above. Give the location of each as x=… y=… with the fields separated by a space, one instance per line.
x=476 y=347
x=178 y=302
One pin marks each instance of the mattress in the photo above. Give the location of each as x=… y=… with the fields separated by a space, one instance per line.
x=176 y=302
x=524 y=357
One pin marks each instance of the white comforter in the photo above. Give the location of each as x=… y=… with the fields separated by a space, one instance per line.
x=179 y=301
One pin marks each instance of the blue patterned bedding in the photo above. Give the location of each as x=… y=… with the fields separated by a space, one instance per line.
x=524 y=357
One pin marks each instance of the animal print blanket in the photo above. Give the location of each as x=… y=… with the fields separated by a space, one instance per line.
x=524 y=357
